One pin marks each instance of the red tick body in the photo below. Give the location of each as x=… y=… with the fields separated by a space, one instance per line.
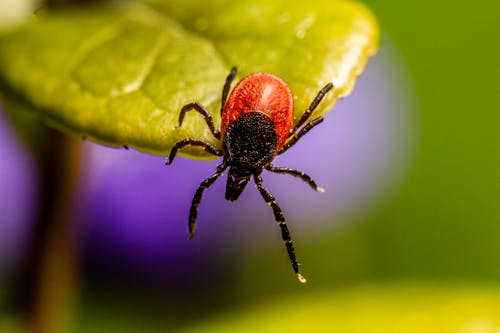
x=256 y=125
x=261 y=92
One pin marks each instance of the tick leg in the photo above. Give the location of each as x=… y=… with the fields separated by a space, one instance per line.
x=208 y=117
x=296 y=173
x=280 y=219
x=193 y=211
x=192 y=142
x=227 y=86
x=303 y=131
x=310 y=109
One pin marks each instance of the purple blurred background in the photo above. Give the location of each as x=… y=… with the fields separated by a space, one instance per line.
x=18 y=191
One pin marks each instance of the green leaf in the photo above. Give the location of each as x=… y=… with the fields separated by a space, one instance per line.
x=393 y=307
x=119 y=74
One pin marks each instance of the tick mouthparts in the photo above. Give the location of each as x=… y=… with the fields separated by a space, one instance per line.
x=301 y=278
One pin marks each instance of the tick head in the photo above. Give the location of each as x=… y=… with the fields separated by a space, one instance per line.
x=237 y=179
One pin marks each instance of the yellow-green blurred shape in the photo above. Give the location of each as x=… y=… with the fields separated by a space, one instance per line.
x=13 y=12
x=401 y=308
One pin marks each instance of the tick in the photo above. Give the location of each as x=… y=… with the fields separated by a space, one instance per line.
x=256 y=126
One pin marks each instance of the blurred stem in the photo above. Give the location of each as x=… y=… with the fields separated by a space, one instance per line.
x=47 y=287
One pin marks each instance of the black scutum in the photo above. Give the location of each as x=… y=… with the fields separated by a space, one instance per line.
x=250 y=141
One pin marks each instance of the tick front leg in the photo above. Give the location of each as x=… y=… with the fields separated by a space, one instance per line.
x=280 y=219
x=192 y=142
x=208 y=117
x=296 y=173
x=193 y=211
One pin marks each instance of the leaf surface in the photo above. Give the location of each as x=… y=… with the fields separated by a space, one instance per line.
x=119 y=74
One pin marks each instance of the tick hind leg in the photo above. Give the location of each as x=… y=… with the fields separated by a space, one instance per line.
x=319 y=97
x=201 y=109
x=303 y=131
x=280 y=219
x=227 y=86
x=193 y=211
x=204 y=112
x=296 y=173
x=294 y=135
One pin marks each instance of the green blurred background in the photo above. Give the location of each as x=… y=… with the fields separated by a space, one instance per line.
x=427 y=259
x=444 y=223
